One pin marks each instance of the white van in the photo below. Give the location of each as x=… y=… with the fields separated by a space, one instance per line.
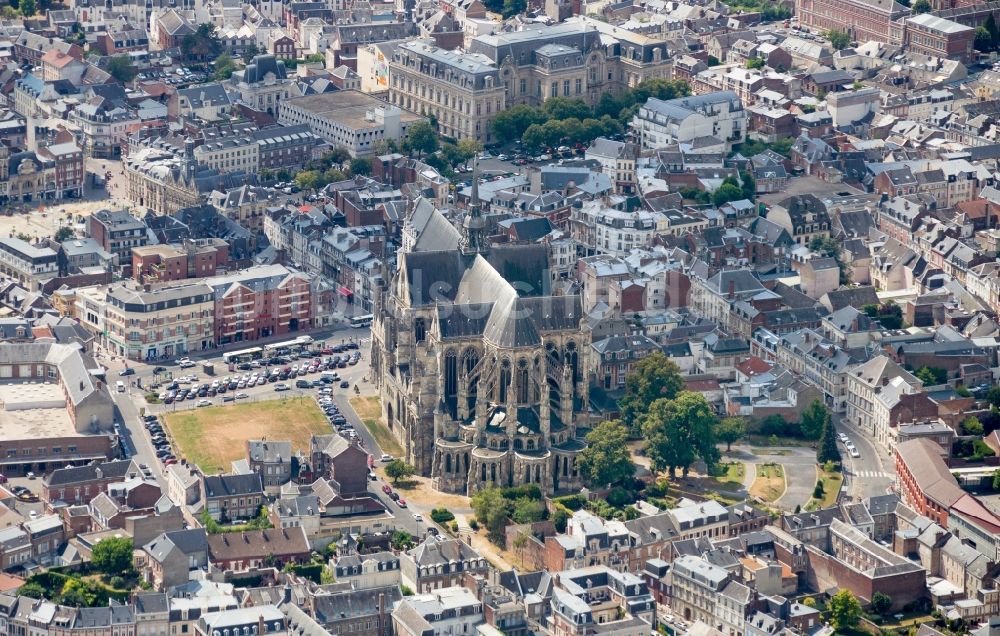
x=120 y=386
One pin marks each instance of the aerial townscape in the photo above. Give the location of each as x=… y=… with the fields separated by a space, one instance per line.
x=499 y=317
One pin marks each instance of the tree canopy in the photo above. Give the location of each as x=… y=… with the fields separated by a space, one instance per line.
x=654 y=377
x=398 y=469
x=606 y=460
x=837 y=39
x=113 y=555
x=421 y=137
x=224 y=67
x=813 y=420
x=202 y=45
x=827 y=450
x=845 y=610
x=730 y=429
x=680 y=430
x=120 y=68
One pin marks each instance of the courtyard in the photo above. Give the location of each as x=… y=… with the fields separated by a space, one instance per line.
x=213 y=437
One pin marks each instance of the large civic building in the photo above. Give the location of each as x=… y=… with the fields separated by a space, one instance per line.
x=479 y=367
x=581 y=58
x=864 y=20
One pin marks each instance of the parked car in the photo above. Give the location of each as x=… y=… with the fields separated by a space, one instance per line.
x=127 y=371
x=204 y=403
x=281 y=387
x=387 y=489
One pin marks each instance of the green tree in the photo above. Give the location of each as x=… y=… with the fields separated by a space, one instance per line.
x=827 y=450
x=729 y=430
x=401 y=540
x=712 y=61
x=398 y=469
x=566 y=107
x=755 y=62
x=75 y=593
x=513 y=7
x=309 y=180
x=250 y=51
x=972 y=426
x=113 y=555
x=996 y=480
x=527 y=510
x=520 y=543
x=680 y=430
x=993 y=396
x=361 y=166
x=492 y=510
x=837 y=39
x=845 y=610
x=64 y=233
x=468 y=149
x=881 y=602
x=921 y=6
x=421 y=138
x=606 y=460
x=655 y=376
x=27 y=8
x=991 y=25
x=725 y=193
x=984 y=41
x=120 y=68
x=931 y=376
x=202 y=45
x=224 y=67
x=31 y=589
x=748 y=186
x=813 y=420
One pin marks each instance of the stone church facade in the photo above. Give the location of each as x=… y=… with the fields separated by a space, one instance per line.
x=480 y=369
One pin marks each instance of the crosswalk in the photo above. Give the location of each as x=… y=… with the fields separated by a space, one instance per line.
x=871 y=474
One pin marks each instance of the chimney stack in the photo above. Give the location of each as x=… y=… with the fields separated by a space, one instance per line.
x=732 y=289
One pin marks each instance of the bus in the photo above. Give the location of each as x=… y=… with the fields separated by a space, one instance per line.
x=242 y=355
x=357 y=322
x=298 y=343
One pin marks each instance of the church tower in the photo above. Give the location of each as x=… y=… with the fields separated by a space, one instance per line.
x=474 y=226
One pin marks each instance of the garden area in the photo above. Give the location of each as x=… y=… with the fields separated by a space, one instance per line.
x=829 y=480
x=770 y=482
x=109 y=575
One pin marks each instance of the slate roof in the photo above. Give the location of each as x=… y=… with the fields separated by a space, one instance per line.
x=233 y=485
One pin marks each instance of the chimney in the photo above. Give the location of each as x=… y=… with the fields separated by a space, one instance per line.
x=732 y=289
x=260 y=624
x=381 y=614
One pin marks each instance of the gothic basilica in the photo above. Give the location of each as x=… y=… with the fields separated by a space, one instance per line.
x=479 y=367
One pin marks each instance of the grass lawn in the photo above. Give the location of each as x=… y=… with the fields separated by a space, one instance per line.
x=370 y=412
x=770 y=482
x=731 y=478
x=832 y=481
x=214 y=436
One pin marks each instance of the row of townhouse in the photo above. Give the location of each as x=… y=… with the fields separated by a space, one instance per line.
x=146 y=323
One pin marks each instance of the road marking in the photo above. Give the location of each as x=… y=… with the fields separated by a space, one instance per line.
x=871 y=474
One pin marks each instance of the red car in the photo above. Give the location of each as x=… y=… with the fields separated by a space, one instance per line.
x=402 y=503
x=386 y=489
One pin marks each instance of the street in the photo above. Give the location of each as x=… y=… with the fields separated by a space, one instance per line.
x=868 y=475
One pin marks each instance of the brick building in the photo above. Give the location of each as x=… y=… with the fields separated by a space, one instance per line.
x=192 y=259
x=939 y=37
x=864 y=20
x=80 y=484
x=925 y=484
x=261 y=302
